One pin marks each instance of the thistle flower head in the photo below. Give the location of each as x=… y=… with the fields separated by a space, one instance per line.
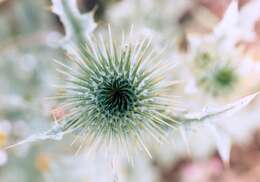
x=214 y=69
x=220 y=79
x=117 y=91
x=203 y=60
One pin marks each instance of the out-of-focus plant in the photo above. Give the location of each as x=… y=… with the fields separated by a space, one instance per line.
x=215 y=62
x=215 y=67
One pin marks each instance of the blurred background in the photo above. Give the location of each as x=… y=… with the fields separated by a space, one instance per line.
x=29 y=42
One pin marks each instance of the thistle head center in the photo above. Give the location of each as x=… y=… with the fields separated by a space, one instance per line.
x=115 y=96
x=225 y=77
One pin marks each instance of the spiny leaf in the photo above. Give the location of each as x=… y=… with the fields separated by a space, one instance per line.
x=217 y=114
x=77 y=26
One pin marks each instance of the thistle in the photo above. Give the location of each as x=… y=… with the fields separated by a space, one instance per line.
x=219 y=79
x=214 y=70
x=215 y=55
x=203 y=60
x=115 y=93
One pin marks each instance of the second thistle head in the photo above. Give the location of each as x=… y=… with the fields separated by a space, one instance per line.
x=219 y=80
x=215 y=70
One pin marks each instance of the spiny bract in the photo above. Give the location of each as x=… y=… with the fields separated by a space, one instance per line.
x=117 y=91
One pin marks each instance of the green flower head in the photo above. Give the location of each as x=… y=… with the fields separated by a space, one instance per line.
x=204 y=59
x=219 y=80
x=117 y=92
